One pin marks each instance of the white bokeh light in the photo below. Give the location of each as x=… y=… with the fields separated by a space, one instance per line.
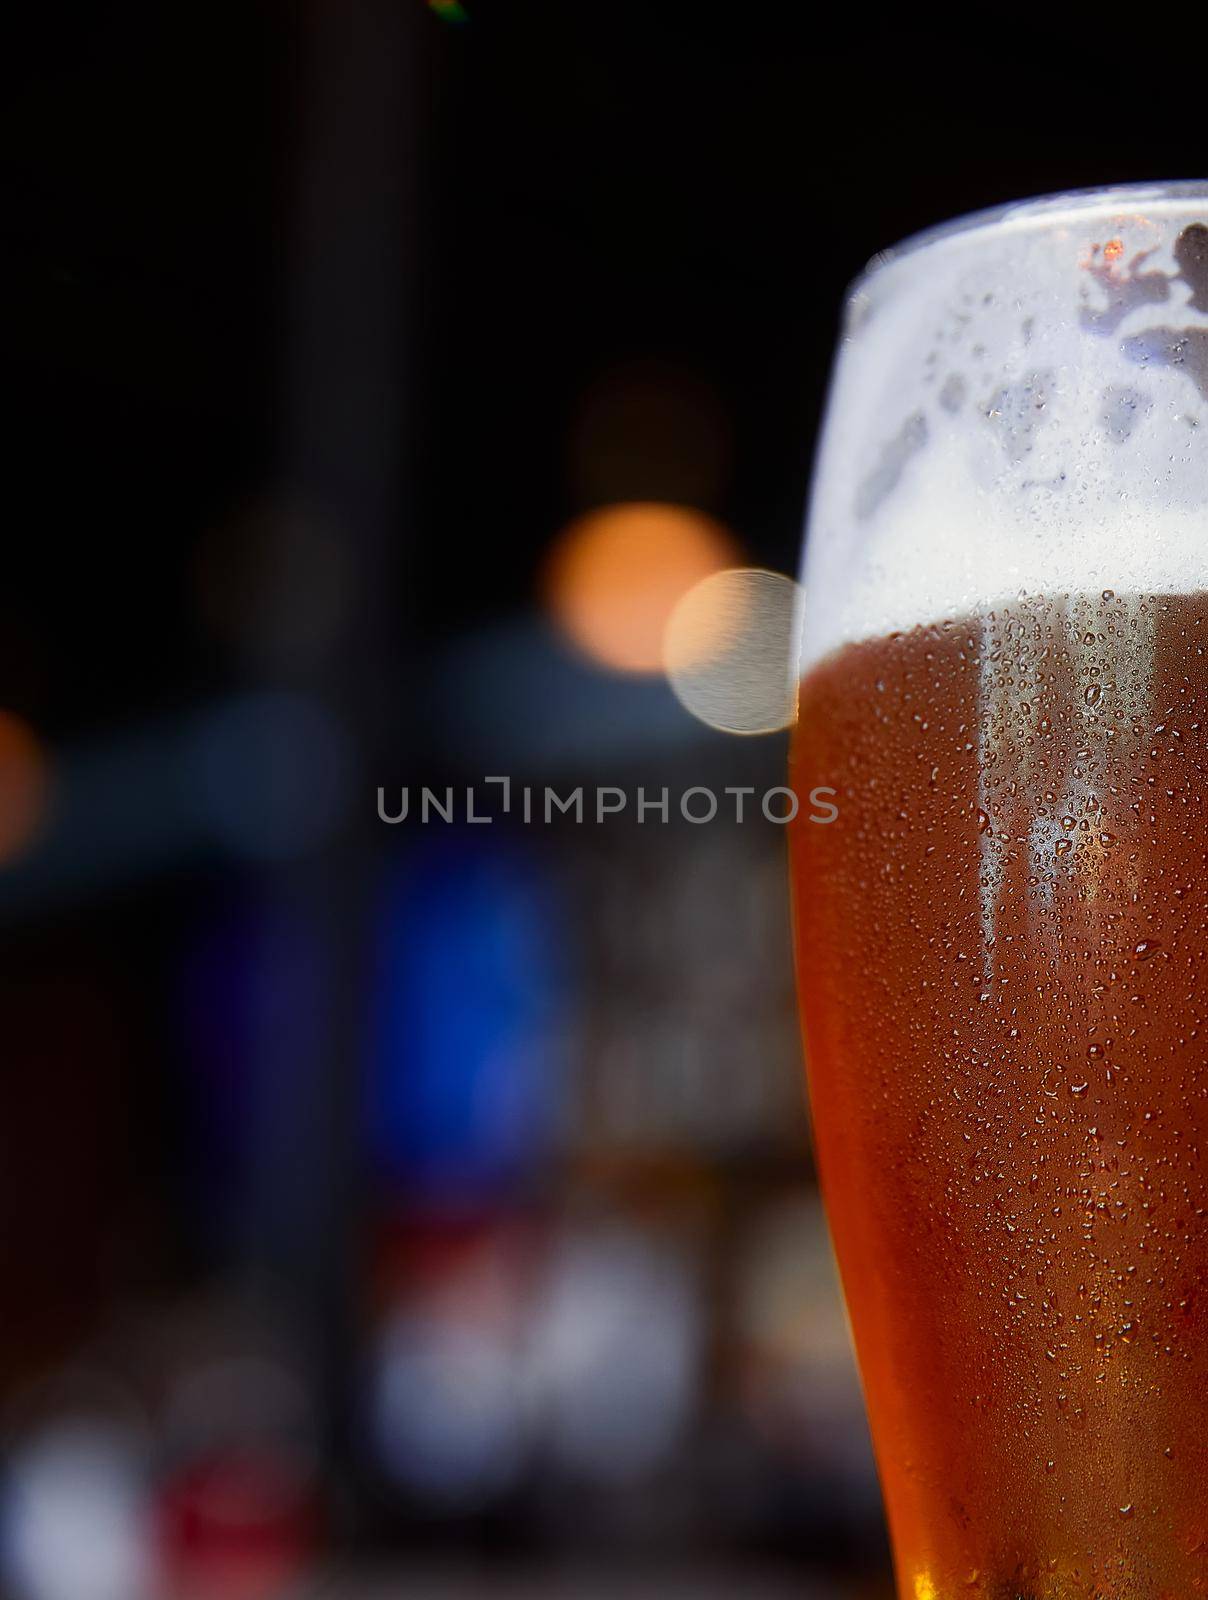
x=730 y=650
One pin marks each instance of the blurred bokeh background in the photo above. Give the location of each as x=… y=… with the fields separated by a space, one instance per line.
x=428 y=1208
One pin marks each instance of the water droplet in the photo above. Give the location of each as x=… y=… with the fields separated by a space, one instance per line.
x=1091 y=694
x=1146 y=948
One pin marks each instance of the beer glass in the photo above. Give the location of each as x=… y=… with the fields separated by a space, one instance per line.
x=1002 y=938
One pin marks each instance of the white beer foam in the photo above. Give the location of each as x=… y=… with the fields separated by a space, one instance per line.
x=1019 y=406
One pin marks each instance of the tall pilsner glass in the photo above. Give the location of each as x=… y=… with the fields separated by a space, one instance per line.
x=1003 y=936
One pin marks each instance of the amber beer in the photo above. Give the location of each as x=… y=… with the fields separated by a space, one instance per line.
x=1002 y=947
x=1002 y=939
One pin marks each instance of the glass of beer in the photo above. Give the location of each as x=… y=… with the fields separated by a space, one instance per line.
x=1002 y=938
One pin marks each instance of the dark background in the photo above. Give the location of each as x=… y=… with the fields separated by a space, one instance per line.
x=318 y=323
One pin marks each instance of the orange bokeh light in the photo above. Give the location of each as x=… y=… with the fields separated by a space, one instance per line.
x=23 y=786
x=614 y=576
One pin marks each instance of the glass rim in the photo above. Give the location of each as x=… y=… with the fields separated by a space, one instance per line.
x=1034 y=212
